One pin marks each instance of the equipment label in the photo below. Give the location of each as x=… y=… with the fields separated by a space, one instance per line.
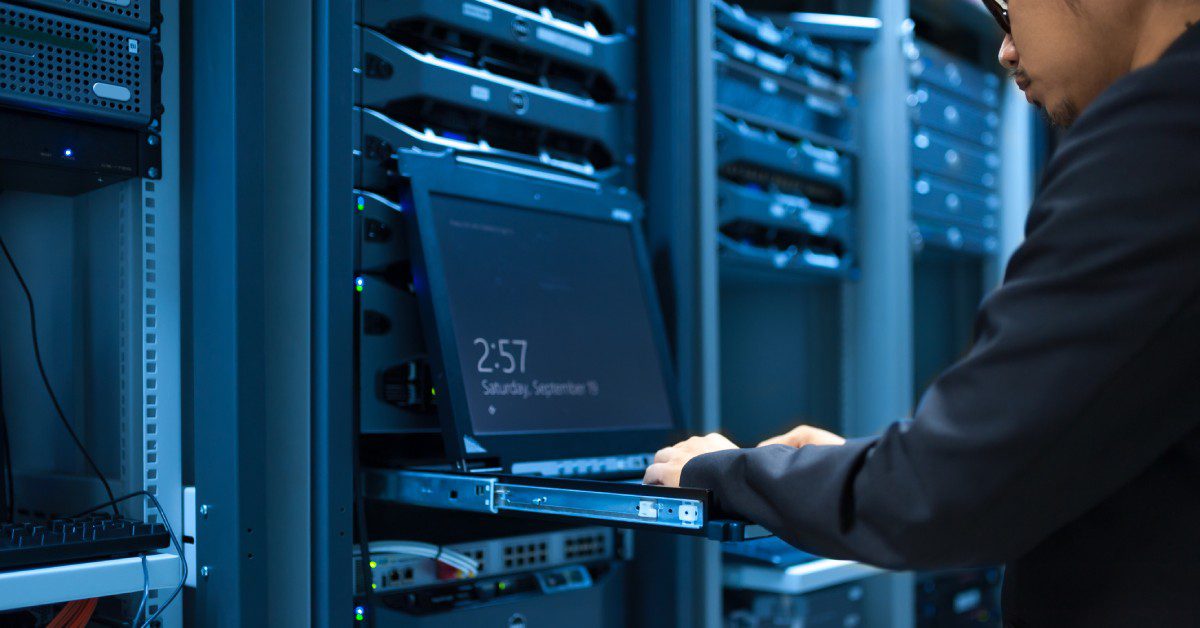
x=556 y=38
x=826 y=168
x=479 y=92
x=470 y=9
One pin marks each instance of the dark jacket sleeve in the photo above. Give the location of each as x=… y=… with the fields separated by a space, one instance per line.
x=1066 y=394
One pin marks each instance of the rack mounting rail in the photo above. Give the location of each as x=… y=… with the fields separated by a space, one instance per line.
x=680 y=510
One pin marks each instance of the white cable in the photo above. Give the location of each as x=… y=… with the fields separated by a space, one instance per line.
x=455 y=559
x=145 y=592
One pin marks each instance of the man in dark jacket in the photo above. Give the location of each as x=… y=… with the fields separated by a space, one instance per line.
x=1066 y=444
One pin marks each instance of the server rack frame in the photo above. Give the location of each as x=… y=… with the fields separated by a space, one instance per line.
x=138 y=220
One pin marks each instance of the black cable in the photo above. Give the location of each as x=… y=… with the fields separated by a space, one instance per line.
x=37 y=354
x=183 y=568
x=6 y=457
x=364 y=551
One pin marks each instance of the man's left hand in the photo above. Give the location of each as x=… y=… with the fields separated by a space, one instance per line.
x=668 y=463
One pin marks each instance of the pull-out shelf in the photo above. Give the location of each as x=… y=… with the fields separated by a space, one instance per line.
x=678 y=510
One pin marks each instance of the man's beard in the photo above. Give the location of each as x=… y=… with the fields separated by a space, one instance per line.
x=1062 y=116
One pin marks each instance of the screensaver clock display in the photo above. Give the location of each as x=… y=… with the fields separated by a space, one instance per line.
x=550 y=319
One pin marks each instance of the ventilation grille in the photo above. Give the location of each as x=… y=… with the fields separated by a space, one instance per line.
x=135 y=14
x=65 y=66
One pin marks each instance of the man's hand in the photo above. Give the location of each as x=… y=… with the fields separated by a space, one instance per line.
x=668 y=463
x=805 y=435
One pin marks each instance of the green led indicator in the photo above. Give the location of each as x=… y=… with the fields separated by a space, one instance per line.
x=374 y=564
x=358 y=616
x=358 y=284
x=432 y=392
x=502 y=585
x=362 y=203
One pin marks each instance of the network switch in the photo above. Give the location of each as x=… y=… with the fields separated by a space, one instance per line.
x=392 y=573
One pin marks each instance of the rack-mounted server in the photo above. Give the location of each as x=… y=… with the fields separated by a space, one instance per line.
x=785 y=132
x=954 y=108
x=84 y=96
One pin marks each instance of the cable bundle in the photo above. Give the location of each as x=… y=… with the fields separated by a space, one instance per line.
x=75 y=614
x=449 y=557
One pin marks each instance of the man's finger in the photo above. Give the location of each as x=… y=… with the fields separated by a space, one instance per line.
x=655 y=474
x=664 y=454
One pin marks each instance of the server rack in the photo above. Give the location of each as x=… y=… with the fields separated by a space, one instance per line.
x=928 y=250
x=96 y=229
x=408 y=62
x=865 y=325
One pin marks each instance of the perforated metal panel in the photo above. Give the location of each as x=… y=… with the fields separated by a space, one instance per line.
x=135 y=15
x=69 y=67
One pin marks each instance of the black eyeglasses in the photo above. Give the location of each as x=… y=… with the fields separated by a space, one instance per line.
x=999 y=10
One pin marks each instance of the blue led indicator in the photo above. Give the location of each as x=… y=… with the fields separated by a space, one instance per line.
x=68 y=152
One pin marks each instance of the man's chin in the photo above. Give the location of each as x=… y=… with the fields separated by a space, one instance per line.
x=1061 y=115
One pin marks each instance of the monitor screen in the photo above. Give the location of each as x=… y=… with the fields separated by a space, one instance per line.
x=550 y=320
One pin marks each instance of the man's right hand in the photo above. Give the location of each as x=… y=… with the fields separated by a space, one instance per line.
x=805 y=435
